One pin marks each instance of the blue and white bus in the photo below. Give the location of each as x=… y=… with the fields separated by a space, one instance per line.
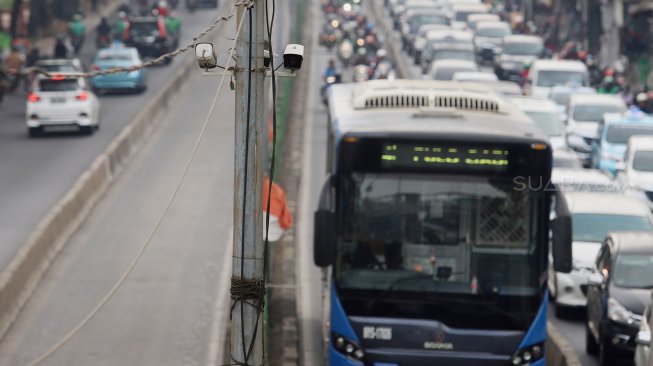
x=435 y=226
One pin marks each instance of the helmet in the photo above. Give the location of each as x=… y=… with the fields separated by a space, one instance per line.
x=362 y=51
x=641 y=97
x=77 y=17
x=122 y=14
x=381 y=53
x=608 y=72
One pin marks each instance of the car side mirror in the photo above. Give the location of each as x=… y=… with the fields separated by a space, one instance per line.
x=561 y=227
x=643 y=338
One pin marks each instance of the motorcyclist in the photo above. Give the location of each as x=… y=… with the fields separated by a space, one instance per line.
x=103 y=31
x=173 y=23
x=609 y=86
x=643 y=103
x=13 y=64
x=331 y=70
x=361 y=57
x=77 y=30
x=121 y=25
x=60 y=48
x=382 y=58
x=162 y=8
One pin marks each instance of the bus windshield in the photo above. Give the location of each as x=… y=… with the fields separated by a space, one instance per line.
x=473 y=235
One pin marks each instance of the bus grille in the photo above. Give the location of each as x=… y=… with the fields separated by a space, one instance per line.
x=474 y=104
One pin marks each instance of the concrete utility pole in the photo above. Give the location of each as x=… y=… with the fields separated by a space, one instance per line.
x=248 y=246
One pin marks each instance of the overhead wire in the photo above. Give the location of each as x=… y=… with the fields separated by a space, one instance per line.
x=44 y=356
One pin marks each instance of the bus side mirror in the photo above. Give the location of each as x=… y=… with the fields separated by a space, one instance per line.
x=324 y=238
x=561 y=227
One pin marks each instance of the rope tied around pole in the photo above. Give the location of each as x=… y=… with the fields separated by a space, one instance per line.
x=248 y=291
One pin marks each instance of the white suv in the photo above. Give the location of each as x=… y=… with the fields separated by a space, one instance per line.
x=62 y=101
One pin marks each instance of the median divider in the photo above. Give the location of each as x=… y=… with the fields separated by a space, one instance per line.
x=23 y=274
x=558 y=351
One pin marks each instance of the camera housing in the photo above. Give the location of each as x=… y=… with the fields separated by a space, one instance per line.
x=293 y=57
x=205 y=55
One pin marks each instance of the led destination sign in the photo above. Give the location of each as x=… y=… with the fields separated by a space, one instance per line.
x=443 y=157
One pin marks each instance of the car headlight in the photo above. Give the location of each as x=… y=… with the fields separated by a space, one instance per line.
x=619 y=313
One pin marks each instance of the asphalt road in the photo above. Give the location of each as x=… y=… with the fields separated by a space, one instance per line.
x=35 y=173
x=173 y=308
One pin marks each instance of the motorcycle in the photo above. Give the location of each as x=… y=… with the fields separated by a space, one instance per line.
x=361 y=73
x=77 y=41
x=346 y=52
x=328 y=81
x=103 y=41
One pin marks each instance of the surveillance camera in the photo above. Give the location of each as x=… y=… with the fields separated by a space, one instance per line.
x=205 y=55
x=266 y=58
x=293 y=57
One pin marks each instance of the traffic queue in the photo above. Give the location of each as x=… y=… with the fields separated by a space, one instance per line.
x=599 y=125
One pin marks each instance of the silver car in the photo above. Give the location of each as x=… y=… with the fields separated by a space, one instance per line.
x=643 y=340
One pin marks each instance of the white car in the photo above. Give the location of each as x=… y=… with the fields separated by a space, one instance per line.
x=475 y=77
x=460 y=12
x=636 y=171
x=546 y=116
x=594 y=215
x=643 y=339
x=560 y=95
x=474 y=19
x=62 y=101
x=585 y=112
x=545 y=74
x=445 y=69
x=583 y=180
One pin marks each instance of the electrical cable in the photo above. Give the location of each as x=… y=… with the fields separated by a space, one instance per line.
x=44 y=356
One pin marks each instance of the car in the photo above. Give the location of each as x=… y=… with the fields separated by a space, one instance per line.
x=545 y=74
x=615 y=131
x=56 y=65
x=547 y=118
x=488 y=39
x=150 y=36
x=517 y=51
x=636 y=171
x=416 y=18
x=421 y=42
x=617 y=295
x=460 y=12
x=560 y=95
x=62 y=101
x=474 y=77
x=583 y=180
x=447 y=44
x=584 y=115
x=445 y=69
x=594 y=215
x=108 y=58
x=474 y=19
x=643 y=339
x=505 y=88
x=565 y=158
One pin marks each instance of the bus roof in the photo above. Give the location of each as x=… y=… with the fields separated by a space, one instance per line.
x=426 y=107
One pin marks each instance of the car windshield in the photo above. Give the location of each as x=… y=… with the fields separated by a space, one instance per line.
x=493 y=32
x=49 y=85
x=461 y=16
x=114 y=56
x=594 y=227
x=633 y=270
x=142 y=29
x=593 y=112
x=58 y=67
x=547 y=122
x=619 y=134
x=522 y=48
x=550 y=78
x=643 y=161
x=445 y=73
x=474 y=229
x=419 y=20
x=451 y=54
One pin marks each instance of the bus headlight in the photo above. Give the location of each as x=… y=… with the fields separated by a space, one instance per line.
x=528 y=355
x=347 y=347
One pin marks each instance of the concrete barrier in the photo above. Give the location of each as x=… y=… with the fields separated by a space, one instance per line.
x=21 y=277
x=558 y=350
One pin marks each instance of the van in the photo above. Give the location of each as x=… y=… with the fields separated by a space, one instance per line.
x=545 y=74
